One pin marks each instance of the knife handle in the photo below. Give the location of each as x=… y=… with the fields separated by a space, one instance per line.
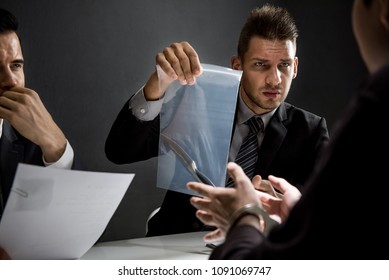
x=204 y=179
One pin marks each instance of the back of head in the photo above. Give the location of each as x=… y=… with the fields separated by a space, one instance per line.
x=8 y=22
x=370 y=20
x=269 y=22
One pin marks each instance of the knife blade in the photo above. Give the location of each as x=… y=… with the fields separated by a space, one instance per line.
x=186 y=160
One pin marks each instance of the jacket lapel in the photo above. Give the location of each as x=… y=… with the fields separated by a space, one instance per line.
x=11 y=153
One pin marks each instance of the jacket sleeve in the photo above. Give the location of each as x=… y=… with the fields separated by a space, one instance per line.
x=239 y=244
x=130 y=139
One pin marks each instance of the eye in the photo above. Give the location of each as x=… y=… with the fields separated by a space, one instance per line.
x=16 y=66
x=259 y=64
x=284 y=64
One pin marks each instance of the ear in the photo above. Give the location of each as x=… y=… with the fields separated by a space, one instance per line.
x=384 y=13
x=235 y=63
x=296 y=63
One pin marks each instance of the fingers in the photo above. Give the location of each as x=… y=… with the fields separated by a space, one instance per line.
x=242 y=183
x=200 y=188
x=19 y=103
x=265 y=197
x=166 y=65
x=214 y=236
x=269 y=202
x=279 y=183
x=236 y=173
x=11 y=98
x=6 y=106
x=189 y=62
x=180 y=61
x=284 y=186
x=257 y=179
x=205 y=218
x=200 y=203
x=14 y=90
x=23 y=108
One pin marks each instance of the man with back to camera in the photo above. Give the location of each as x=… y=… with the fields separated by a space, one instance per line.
x=290 y=142
x=343 y=208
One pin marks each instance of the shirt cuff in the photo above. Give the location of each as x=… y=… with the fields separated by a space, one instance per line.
x=65 y=161
x=145 y=110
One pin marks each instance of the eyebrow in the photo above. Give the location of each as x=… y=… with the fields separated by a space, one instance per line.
x=18 y=61
x=266 y=60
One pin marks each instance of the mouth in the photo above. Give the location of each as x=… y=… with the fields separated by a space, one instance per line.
x=271 y=94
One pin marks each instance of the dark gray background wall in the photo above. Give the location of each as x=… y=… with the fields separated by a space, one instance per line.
x=87 y=57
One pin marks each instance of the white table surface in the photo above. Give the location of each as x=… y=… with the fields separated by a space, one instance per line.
x=185 y=246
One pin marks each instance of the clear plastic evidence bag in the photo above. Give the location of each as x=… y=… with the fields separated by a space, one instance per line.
x=196 y=124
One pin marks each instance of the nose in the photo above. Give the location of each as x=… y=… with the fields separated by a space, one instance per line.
x=273 y=78
x=7 y=79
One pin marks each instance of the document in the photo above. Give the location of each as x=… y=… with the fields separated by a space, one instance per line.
x=58 y=214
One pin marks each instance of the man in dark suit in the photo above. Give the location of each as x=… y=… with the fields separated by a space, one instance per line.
x=292 y=137
x=28 y=134
x=343 y=208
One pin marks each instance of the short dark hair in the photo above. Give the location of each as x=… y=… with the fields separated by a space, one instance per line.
x=8 y=22
x=269 y=22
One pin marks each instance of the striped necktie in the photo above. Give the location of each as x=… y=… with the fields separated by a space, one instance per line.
x=248 y=152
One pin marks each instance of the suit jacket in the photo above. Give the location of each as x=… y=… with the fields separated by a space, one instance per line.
x=293 y=140
x=14 y=148
x=342 y=211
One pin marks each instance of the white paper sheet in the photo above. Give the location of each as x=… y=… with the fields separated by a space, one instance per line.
x=54 y=213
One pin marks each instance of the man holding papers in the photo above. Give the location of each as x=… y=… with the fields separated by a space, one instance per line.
x=28 y=133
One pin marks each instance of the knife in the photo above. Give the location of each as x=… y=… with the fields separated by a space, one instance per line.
x=186 y=160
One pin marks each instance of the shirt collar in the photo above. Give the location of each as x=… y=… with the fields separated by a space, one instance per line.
x=245 y=113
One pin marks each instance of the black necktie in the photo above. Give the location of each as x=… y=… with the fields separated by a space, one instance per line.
x=248 y=152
